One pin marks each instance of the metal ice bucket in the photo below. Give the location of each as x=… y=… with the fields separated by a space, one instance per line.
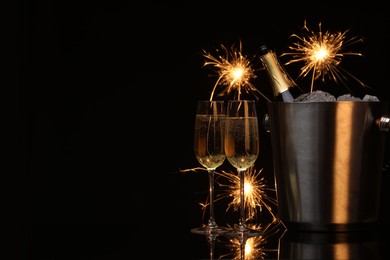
x=327 y=159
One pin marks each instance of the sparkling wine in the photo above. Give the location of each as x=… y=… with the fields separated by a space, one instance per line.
x=241 y=141
x=208 y=140
x=284 y=88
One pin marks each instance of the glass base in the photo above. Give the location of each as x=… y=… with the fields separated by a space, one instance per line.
x=242 y=232
x=207 y=230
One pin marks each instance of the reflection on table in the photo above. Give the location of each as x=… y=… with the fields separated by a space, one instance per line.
x=262 y=246
x=277 y=242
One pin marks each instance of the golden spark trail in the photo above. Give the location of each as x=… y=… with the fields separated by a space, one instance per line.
x=234 y=72
x=255 y=192
x=254 y=247
x=322 y=54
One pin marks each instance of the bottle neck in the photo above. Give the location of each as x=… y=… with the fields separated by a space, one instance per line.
x=280 y=81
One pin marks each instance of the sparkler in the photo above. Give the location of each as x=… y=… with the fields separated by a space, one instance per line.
x=234 y=72
x=255 y=192
x=322 y=54
x=253 y=247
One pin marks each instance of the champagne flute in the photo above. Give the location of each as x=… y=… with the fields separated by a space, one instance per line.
x=242 y=150
x=209 y=151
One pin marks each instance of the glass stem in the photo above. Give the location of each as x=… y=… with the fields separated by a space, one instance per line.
x=241 y=221
x=212 y=223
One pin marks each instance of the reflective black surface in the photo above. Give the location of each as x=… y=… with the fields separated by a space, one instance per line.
x=162 y=229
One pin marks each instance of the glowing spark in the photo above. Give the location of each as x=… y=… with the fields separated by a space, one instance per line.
x=322 y=54
x=254 y=247
x=255 y=192
x=234 y=72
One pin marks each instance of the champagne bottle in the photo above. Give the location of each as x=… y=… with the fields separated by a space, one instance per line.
x=282 y=85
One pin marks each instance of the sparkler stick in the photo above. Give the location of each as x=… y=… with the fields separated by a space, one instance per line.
x=322 y=54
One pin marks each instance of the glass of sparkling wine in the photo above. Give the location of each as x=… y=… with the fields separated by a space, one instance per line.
x=209 y=150
x=242 y=150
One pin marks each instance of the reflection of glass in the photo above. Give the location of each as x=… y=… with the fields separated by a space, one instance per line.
x=242 y=149
x=211 y=240
x=209 y=150
x=242 y=247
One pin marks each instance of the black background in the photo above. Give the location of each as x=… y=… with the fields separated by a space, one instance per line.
x=106 y=97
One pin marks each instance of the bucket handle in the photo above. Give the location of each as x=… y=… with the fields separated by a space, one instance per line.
x=383 y=123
